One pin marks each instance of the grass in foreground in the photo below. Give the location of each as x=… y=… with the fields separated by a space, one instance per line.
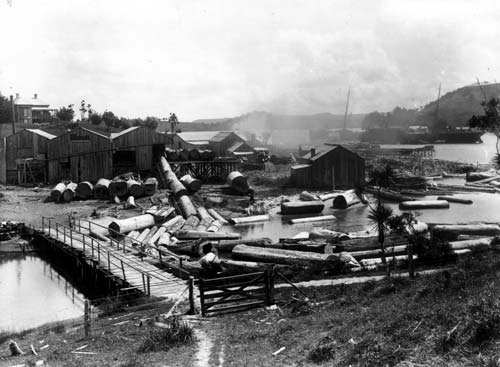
x=446 y=319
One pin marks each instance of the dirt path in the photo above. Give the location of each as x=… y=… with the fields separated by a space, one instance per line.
x=204 y=351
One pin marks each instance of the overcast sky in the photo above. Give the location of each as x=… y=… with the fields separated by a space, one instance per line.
x=206 y=58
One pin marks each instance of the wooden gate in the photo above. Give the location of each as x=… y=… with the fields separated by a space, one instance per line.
x=236 y=293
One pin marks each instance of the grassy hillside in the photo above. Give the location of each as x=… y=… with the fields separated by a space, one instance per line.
x=458 y=106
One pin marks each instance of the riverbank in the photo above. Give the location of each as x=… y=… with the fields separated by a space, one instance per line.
x=449 y=318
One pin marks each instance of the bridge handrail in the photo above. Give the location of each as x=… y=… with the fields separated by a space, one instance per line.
x=147 y=274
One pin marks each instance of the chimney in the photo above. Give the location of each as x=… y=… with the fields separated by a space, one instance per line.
x=313 y=152
x=35 y=96
x=17 y=95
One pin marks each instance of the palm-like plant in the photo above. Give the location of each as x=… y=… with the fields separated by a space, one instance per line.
x=380 y=216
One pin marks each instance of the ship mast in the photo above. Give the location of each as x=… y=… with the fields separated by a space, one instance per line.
x=346 y=108
x=437 y=103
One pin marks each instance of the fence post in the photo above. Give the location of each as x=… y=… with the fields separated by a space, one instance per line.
x=109 y=263
x=123 y=271
x=57 y=230
x=83 y=240
x=149 y=284
x=98 y=251
x=86 y=318
x=191 y=295
x=64 y=234
x=202 y=296
x=92 y=246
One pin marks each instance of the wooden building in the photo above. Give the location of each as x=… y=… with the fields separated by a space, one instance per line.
x=223 y=143
x=25 y=153
x=80 y=154
x=329 y=168
x=136 y=148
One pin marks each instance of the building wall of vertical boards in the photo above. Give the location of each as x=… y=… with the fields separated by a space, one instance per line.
x=339 y=168
x=24 y=144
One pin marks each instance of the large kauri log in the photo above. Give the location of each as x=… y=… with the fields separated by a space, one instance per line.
x=215 y=226
x=452 y=199
x=238 y=182
x=345 y=200
x=101 y=188
x=302 y=207
x=388 y=195
x=307 y=196
x=84 y=190
x=280 y=256
x=123 y=226
x=459 y=245
x=193 y=235
x=424 y=204
x=143 y=235
x=321 y=218
x=135 y=188
x=238 y=267
x=186 y=206
x=150 y=186
x=169 y=223
x=451 y=231
x=217 y=216
x=204 y=224
x=191 y=223
x=118 y=188
x=192 y=184
x=57 y=191
x=203 y=213
x=251 y=219
x=69 y=192
x=228 y=245
x=328 y=235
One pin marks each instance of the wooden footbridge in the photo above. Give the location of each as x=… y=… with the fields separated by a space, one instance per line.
x=117 y=259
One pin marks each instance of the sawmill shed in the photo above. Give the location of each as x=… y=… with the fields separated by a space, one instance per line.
x=80 y=154
x=25 y=155
x=329 y=167
x=136 y=148
x=223 y=143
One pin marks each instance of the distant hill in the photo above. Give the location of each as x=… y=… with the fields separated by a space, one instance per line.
x=260 y=120
x=458 y=106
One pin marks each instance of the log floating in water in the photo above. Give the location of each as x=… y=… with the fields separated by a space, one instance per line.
x=143 y=235
x=424 y=204
x=251 y=219
x=388 y=195
x=123 y=226
x=101 y=188
x=321 y=218
x=217 y=216
x=191 y=223
x=452 y=199
x=345 y=200
x=238 y=182
x=481 y=177
x=84 y=190
x=280 y=256
x=150 y=186
x=302 y=207
x=168 y=224
x=451 y=231
x=203 y=213
x=118 y=188
x=204 y=224
x=135 y=188
x=69 y=192
x=57 y=191
x=164 y=239
x=192 y=184
x=193 y=235
x=150 y=235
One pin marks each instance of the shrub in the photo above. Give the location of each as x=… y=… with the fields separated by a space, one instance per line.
x=177 y=334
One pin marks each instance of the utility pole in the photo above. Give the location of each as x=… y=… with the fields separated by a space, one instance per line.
x=347 y=108
x=13 y=114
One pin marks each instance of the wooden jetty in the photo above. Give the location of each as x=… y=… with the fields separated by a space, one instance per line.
x=119 y=262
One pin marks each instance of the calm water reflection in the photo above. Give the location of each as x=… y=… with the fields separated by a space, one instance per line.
x=32 y=293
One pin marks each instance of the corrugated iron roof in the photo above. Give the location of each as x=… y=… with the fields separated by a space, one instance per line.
x=22 y=101
x=300 y=166
x=235 y=146
x=41 y=133
x=192 y=136
x=220 y=136
x=126 y=131
x=320 y=153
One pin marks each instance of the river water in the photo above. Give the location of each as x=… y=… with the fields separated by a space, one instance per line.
x=467 y=153
x=32 y=293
